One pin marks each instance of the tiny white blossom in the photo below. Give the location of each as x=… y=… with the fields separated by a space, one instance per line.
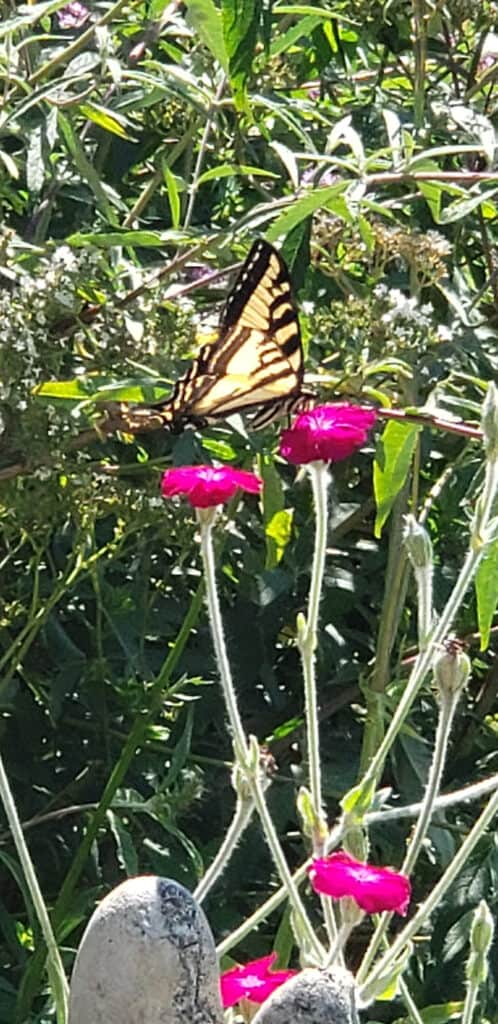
x=308 y=307
x=63 y=254
x=42 y=473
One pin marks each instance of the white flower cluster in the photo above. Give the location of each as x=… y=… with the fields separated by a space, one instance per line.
x=402 y=308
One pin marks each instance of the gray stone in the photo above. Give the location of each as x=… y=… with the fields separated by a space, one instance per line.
x=312 y=997
x=146 y=957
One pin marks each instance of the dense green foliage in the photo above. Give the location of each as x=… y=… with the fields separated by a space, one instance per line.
x=139 y=152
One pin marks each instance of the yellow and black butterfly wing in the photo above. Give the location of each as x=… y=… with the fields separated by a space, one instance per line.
x=256 y=361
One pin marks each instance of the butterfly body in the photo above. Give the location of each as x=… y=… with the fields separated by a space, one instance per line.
x=256 y=362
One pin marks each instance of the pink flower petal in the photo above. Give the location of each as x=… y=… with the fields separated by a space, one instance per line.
x=327 y=433
x=205 y=486
x=254 y=981
x=373 y=889
x=73 y=15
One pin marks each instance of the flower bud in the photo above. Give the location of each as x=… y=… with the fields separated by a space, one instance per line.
x=301 y=627
x=386 y=985
x=314 y=824
x=240 y=783
x=489 y=421
x=418 y=544
x=481 y=935
x=452 y=667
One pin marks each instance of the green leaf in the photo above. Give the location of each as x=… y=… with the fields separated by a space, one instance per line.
x=205 y=19
x=181 y=751
x=432 y=193
x=358 y=800
x=279 y=530
x=98 y=390
x=459 y=209
x=240 y=19
x=9 y=164
x=301 y=29
x=392 y=465
x=106 y=239
x=35 y=169
x=125 y=848
x=219 y=449
x=109 y=121
x=228 y=170
x=486 y=586
x=86 y=169
x=273 y=503
x=173 y=195
x=73 y=390
x=329 y=198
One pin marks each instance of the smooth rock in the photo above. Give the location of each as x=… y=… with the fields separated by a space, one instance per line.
x=312 y=997
x=147 y=957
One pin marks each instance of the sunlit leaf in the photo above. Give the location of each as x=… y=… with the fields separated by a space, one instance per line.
x=240 y=25
x=393 y=460
x=229 y=170
x=329 y=198
x=173 y=195
x=106 y=119
x=205 y=19
x=486 y=585
x=107 y=239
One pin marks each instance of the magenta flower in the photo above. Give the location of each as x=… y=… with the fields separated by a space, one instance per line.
x=373 y=889
x=255 y=981
x=205 y=486
x=327 y=433
x=73 y=15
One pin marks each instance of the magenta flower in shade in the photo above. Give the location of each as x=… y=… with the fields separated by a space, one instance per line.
x=205 y=486
x=255 y=981
x=328 y=433
x=73 y=15
x=373 y=889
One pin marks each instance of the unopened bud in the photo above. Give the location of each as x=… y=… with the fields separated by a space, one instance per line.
x=386 y=984
x=452 y=667
x=240 y=783
x=482 y=931
x=314 y=824
x=418 y=543
x=254 y=755
x=489 y=421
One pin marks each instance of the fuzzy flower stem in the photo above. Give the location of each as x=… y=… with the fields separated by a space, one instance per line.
x=307 y=641
x=414 y=1015
x=425 y=604
x=477 y=967
x=470 y=1002
x=283 y=869
x=448 y=706
x=442 y=627
x=240 y=744
x=434 y=898
x=55 y=969
x=238 y=735
x=476 y=791
x=241 y=818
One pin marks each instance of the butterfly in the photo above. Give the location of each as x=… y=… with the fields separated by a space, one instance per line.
x=256 y=362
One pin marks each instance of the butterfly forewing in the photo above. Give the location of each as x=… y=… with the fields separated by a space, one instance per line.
x=256 y=360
